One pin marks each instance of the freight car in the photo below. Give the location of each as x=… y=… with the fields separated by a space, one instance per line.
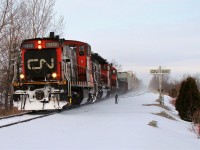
x=125 y=81
x=55 y=73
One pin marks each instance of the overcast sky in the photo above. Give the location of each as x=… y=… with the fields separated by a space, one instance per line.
x=138 y=34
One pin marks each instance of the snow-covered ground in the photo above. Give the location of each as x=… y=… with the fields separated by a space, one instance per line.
x=105 y=126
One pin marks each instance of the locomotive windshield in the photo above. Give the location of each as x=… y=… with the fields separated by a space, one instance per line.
x=39 y=64
x=81 y=51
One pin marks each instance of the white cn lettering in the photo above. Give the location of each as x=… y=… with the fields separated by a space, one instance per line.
x=42 y=61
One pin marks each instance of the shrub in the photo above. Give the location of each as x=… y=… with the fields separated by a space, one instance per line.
x=188 y=100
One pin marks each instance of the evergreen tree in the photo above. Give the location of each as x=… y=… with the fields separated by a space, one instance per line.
x=193 y=97
x=188 y=100
x=186 y=103
x=180 y=99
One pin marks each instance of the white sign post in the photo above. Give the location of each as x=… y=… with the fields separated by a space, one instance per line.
x=160 y=72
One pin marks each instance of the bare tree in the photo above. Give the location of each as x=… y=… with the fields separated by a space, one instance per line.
x=166 y=83
x=116 y=65
x=40 y=18
x=58 y=25
x=196 y=122
x=4 y=18
x=21 y=20
x=8 y=44
x=153 y=85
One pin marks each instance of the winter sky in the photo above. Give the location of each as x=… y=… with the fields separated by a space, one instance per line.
x=138 y=34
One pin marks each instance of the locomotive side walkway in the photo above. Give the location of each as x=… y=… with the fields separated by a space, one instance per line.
x=136 y=122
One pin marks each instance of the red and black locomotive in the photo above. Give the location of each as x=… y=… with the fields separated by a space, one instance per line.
x=56 y=72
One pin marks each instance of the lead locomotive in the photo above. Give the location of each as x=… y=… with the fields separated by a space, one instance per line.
x=54 y=73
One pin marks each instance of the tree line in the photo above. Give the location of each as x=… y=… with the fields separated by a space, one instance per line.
x=19 y=20
x=169 y=86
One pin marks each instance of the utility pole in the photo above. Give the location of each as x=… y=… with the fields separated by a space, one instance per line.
x=160 y=72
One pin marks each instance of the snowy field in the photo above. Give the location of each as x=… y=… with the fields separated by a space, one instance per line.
x=105 y=126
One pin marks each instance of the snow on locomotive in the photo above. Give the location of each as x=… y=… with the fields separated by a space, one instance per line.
x=56 y=72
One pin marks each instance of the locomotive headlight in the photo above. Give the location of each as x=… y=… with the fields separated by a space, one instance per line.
x=21 y=76
x=39 y=42
x=54 y=75
x=39 y=47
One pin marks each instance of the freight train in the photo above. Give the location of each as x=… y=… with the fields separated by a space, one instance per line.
x=54 y=73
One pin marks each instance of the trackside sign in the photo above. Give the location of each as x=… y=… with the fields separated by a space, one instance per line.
x=160 y=71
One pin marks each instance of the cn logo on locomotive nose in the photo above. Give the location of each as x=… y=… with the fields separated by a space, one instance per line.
x=41 y=62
